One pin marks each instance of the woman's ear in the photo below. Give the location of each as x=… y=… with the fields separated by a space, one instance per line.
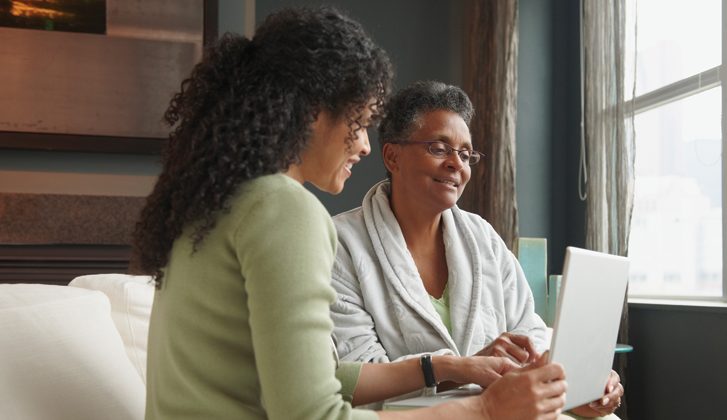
x=320 y=118
x=390 y=154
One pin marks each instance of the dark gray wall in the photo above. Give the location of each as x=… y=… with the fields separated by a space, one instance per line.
x=678 y=369
x=567 y=211
x=424 y=41
x=231 y=16
x=42 y=167
x=548 y=124
x=43 y=161
x=533 y=130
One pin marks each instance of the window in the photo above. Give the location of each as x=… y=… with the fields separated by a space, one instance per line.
x=676 y=234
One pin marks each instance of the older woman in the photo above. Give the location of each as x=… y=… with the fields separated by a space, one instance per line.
x=416 y=275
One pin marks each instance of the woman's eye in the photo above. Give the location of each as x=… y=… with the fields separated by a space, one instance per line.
x=439 y=149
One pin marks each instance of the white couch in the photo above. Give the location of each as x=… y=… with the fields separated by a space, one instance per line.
x=75 y=352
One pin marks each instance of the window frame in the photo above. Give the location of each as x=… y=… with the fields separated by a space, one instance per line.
x=681 y=89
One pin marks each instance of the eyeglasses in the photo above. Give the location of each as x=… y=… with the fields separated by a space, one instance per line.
x=441 y=150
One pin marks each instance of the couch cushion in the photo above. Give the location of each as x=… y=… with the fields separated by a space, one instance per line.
x=61 y=357
x=131 y=299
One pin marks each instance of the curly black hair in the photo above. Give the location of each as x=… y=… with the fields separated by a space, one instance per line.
x=246 y=111
x=406 y=107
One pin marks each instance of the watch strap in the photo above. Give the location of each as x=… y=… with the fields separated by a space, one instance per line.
x=426 y=363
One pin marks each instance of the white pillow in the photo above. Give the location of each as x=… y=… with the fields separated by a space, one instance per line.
x=61 y=357
x=131 y=299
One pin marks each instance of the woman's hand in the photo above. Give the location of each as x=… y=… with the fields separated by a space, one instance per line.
x=607 y=404
x=533 y=392
x=380 y=381
x=517 y=347
x=480 y=370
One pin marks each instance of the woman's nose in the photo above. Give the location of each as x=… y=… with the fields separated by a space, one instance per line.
x=455 y=162
x=365 y=145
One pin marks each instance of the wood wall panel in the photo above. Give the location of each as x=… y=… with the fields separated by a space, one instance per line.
x=59 y=264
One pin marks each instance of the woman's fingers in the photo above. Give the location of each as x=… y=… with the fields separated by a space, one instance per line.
x=533 y=392
x=614 y=395
x=547 y=373
x=613 y=381
x=523 y=342
x=539 y=361
x=518 y=348
x=554 y=389
x=499 y=364
x=609 y=402
x=553 y=403
x=504 y=348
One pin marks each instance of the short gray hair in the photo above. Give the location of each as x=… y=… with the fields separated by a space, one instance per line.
x=406 y=107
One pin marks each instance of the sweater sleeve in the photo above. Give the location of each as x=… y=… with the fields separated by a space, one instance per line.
x=348 y=373
x=285 y=255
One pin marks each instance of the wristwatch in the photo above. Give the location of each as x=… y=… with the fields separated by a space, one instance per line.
x=430 y=382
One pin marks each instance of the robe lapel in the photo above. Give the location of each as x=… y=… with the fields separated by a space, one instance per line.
x=465 y=278
x=401 y=275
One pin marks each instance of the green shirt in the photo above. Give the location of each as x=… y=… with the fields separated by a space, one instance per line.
x=240 y=328
x=441 y=305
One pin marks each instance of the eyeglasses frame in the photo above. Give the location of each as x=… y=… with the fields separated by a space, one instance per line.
x=450 y=150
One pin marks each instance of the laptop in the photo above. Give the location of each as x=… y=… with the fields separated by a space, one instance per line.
x=587 y=319
x=586 y=325
x=430 y=400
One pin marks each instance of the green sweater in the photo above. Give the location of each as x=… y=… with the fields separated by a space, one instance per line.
x=240 y=328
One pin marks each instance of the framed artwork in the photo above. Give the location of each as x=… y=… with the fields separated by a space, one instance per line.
x=96 y=75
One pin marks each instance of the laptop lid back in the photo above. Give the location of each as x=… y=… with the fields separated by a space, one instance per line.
x=587 y=321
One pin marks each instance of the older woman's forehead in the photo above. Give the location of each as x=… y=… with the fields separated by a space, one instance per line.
x=442 y=125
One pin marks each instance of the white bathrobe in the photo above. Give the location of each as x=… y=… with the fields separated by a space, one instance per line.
x=383 y=313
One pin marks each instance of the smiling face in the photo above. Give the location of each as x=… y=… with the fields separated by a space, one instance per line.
x=329 y=157
x=417 y=176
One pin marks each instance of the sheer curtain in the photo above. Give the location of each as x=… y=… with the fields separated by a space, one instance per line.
x=607 y=165
x=490 y=80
